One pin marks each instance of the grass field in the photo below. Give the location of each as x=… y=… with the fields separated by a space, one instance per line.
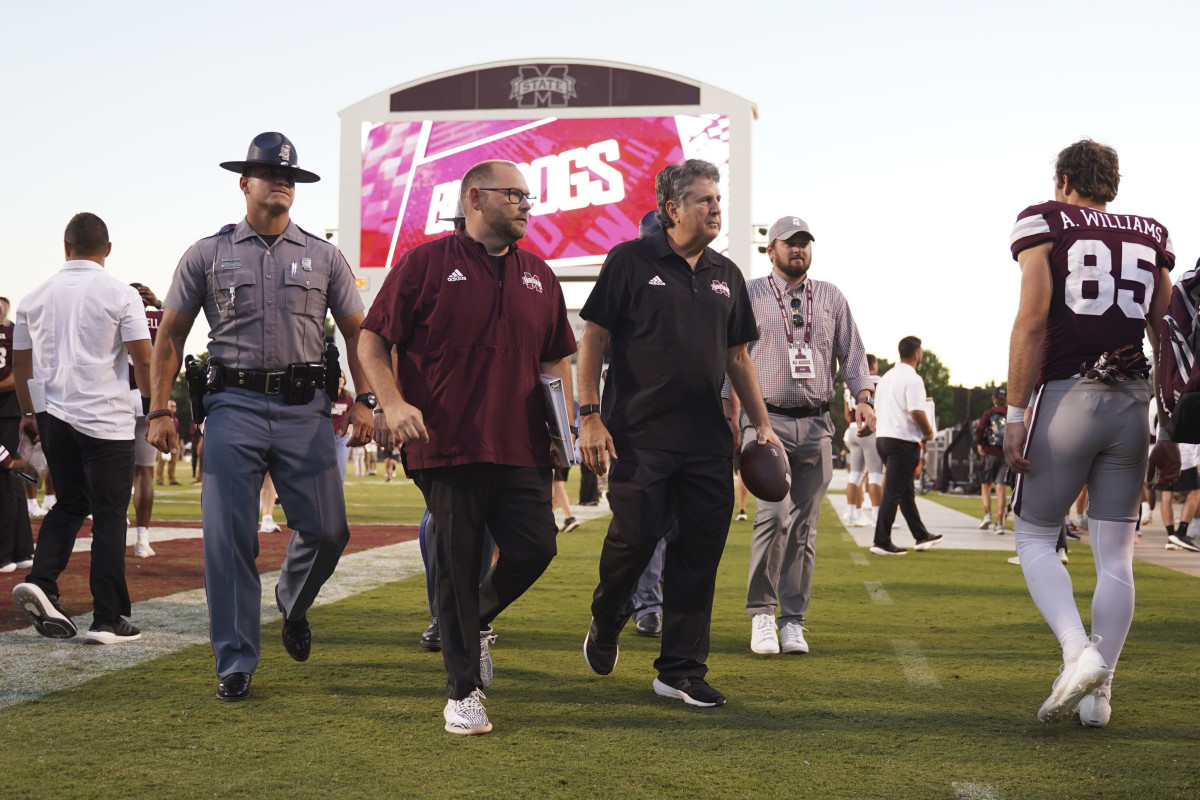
x=923 y=682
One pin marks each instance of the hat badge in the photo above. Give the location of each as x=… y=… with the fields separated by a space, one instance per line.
x=285 y=154
x=796 y=221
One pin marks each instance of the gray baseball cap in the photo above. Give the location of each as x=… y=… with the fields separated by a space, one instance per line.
x=787 y=227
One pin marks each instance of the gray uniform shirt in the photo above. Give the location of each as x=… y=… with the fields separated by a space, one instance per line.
x=265 y=305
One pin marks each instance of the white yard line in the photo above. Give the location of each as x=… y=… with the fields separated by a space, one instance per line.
x=974 y=791
x=33 y=666
x=877 y=593
x=858 y=559
x=916 y=668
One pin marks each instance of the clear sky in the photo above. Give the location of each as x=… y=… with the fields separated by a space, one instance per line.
x=909 y=136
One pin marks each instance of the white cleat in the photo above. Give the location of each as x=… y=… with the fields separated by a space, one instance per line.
x=1094 y=709
x=1075 y=681
x=763 y=637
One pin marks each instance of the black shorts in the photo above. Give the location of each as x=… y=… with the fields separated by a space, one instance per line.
x=993 y=470
x=1189 y=481
x=561 y=473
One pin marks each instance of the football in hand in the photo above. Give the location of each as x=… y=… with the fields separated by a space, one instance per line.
x=765 y=471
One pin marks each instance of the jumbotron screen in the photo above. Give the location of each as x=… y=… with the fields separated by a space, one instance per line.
x=593 y=178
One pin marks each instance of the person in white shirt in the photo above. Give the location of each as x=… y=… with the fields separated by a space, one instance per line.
x=73 y=338
x=902 y=425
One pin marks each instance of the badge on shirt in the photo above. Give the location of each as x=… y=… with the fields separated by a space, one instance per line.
x=231 y=263
x=800 y=360
x=306 y=264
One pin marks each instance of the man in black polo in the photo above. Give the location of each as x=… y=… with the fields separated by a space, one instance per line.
x=677 y=317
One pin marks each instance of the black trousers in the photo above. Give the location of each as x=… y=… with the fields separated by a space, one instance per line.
x=16 y=535
x=648 y=491
x=900 y=459
x=589 y=486
x=513 y=503
x=91 y=476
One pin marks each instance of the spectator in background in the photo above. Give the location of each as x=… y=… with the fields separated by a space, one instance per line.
x=1187 y=485
x=862 y=457
x=16 y=534
x=144 y=453
x=169 y=460
x=197 y=435
x=339 y=415
x=989 y=443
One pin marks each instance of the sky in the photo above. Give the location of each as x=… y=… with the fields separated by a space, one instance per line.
x=909 y=136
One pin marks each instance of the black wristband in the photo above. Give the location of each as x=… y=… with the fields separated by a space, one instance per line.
x=145 y=406
x=574 y=430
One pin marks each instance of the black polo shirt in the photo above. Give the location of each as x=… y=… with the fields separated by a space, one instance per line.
x=671 y=330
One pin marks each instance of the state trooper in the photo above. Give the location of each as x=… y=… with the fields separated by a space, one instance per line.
x=264 y=286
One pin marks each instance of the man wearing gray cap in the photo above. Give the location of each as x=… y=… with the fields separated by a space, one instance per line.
x=264 y=286
x=805 y=332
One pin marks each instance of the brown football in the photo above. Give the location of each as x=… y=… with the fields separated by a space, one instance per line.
x=765 y=471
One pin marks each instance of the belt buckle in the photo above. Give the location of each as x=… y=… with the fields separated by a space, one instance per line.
x=274 y=383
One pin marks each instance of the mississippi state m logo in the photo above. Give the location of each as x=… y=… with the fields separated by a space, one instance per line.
x=532 y=282
x=534 y=87
x=720 y=287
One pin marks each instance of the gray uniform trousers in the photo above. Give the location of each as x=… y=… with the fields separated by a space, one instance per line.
x=246 y=434
x=783 y=549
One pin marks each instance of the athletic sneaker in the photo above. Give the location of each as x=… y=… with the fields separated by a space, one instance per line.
x=600 y=653
x=925 y=544
x=1062 y=556
x=35 y=510
x=763 y=639
x=268 y=525
x=113 y=632
x=888 y=549
x=1015 y=561
x=1094 y=709
x=1147 y=514
x=48 y=616
x=851 y=517
x=987 y=522
x=467 y=716
x=570 y=524
x=999 y=530
x=26 y=564
x=693 y=691
x=142 y=548
x=485 y=657
x=741 y=516
x=791 y=638
x=1184 y=541
x=1075 y=680
x=1171 y=546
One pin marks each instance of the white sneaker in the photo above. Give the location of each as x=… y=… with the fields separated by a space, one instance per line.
x=763 y=638
x=1094 y=709
x=1062 y=556
x=1015 y=561
x=987 y=522
x=26 y=564
x=791 y=638
x=485 y=658
x=142 y=548
x=1147 y=514
x=48 y=503
x=35 y=510
x=999 y=529
x=1171 y=546
x=467 y=716
x=851 y=518
x=268 y=525
x=1075 y=681
x=9 y=567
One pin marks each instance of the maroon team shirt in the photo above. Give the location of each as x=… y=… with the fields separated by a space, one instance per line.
x=153 y=319
x=471 y=343
x=8 y=400
x=339 y=410
x=1104 y=268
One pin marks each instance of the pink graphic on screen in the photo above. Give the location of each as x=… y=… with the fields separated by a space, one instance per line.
x=594 y=178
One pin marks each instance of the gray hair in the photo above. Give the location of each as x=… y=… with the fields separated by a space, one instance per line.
x=674 y=183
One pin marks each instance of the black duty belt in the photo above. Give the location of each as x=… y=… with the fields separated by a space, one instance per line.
x=267 y=381
x=799 y=412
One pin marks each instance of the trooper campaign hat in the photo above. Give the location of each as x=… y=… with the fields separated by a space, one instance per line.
x=272 y=149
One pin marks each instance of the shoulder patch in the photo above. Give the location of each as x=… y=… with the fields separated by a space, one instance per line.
x=227 y=229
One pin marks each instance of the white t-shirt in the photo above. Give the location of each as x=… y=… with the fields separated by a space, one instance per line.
x=900 y=392
x=77 y=324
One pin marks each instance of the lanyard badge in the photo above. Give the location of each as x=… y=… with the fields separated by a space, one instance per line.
x=800 y=358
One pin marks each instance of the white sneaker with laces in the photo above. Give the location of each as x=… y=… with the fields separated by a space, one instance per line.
x=268 y=525
x=987 y=522
x=467 y=716
x=763 y=637
x=1075 y=681
x=1094 y=709
x=791 y=638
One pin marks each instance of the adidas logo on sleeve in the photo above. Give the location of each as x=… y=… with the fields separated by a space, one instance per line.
x=657 y=281
x=456 y=276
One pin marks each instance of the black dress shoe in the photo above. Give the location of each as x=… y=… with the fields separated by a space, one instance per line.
x=233 y=687
x=650 y=625
x=431 y=639
x=297 y=636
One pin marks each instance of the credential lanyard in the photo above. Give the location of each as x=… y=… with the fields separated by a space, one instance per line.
x=787 y=318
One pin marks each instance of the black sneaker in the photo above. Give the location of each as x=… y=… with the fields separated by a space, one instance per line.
x=693 y=691
x=113 y=632
x=297 y=636
x=925 y=544
x=1184 y=541
x=888 y=549
x=48 y=616
x=431 y=639
x=650 y=625
x=569 y=524
x=600 y=652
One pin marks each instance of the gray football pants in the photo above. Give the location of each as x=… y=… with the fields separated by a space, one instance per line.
x=783 y=549
x=1084 y=432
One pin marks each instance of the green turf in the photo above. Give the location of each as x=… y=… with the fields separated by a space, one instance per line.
x=362 y=718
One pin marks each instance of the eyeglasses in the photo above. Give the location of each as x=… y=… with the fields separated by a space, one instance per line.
x=797 y=320
x=515 y=196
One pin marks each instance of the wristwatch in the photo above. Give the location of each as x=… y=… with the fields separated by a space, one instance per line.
x=367 y=399
x=590 y=408
x=868 y=400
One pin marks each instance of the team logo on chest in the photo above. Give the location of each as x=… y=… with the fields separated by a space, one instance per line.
x=456 y=276
x=720 y=287
x=532 y=282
